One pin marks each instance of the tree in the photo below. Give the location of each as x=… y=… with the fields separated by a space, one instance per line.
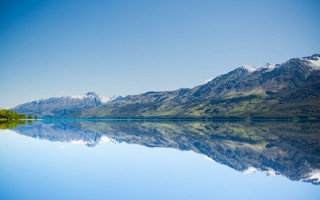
x=10 y=115
x=30 y=117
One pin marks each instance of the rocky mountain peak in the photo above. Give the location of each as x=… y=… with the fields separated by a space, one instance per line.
x=62 y=106
x=248 y=68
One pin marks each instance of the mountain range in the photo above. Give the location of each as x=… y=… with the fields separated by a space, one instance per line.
x=63 y=106
x=287 y=90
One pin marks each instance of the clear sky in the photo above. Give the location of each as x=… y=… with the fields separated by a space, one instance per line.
x=56 y=48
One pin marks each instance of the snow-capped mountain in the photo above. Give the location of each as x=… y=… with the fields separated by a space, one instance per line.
x=287 y=90
x=62 y=106
x=66 y=132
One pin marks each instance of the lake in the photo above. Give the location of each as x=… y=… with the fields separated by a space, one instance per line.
x=154 y=159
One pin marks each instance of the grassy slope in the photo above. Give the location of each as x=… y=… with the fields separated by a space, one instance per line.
x=259 y=107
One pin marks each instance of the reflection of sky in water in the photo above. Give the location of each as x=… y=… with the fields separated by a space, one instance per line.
x=39 y=169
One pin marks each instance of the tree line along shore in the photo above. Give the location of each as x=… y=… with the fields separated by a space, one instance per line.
x=6 y=115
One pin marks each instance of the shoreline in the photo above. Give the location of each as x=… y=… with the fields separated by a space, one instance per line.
x=190 y=119
x=230 y=119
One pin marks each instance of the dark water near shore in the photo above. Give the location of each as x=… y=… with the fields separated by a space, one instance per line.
x=105 y=159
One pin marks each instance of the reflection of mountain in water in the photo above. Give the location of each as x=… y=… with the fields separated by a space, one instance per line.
x=289 y=149
x=63 y=132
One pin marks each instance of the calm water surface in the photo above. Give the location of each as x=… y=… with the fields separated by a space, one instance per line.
x=79 y=159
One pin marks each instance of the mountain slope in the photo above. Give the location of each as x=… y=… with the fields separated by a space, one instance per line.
x=290 y=89
x=62 y=106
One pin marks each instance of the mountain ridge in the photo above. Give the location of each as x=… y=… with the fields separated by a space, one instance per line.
x=287 y=90
x=63 y=106
x=244 y=92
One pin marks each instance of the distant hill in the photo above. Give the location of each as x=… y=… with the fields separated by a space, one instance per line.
x=287 y=90
x=63 y=106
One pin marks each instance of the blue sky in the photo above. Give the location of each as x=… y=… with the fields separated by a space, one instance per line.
x=55 y=48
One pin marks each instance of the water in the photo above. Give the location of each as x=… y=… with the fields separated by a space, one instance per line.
x=80 y=159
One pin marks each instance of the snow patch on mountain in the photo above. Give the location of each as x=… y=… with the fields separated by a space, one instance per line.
x=313 y=176
x=269 y=66
x=208 y=80
x=270 y=172
x=91 y=95
x=314 y=61
x=104 y=139
x=62 y=106
x=208 y=158
x=250 y=170
x=249 y=68
x=104 y=99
